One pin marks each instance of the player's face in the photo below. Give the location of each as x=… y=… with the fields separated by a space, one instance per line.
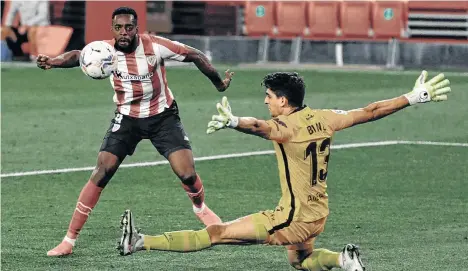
x=124 y=29
x=275 y=103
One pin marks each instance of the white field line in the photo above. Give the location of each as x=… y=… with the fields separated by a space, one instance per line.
x=404 y=142
x=234 y=155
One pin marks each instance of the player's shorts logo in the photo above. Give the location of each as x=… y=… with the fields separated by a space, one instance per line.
x=151 y=60
x=116 y=127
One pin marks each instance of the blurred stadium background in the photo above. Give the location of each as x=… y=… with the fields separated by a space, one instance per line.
x=377 y=33
x=402 y=198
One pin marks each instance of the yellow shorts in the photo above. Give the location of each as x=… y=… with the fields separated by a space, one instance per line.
x=284 y=233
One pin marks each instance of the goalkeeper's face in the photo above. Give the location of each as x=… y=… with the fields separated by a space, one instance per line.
x=274 y=103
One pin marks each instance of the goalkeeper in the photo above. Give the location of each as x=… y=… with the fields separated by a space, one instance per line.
x=301 y=138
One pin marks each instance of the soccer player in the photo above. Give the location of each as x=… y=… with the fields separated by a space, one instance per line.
x=146 y=109
x=301 y=138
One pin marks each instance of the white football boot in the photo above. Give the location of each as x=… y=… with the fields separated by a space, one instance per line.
x=350 y=260
x=131 y=240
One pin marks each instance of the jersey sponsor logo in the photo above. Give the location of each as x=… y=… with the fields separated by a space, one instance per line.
x=151 y=59
x=277 y=120
x=314 y=198
x=115 y=128
x=132 y=77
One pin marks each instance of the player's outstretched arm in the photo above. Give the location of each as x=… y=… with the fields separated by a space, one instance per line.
x=205 y=66
x=248 y=125
x=435 y=90
x=67 y=60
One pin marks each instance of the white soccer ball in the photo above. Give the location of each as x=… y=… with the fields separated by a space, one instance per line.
x=98 y=60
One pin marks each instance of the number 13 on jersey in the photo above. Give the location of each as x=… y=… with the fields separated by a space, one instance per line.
x=318 y=152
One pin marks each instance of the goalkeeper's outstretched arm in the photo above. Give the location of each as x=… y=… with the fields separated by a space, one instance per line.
x=253 y=126
x=277 y=129
x=377 y=110
x=433 y=90
x=258 y=127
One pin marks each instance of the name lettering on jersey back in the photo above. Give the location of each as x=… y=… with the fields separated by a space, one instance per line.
x=132 y=77
x=316 y=127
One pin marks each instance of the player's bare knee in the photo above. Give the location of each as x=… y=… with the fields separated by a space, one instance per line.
x=108 y=162
x=216 y=233
x=189 y=177
x=107 y=165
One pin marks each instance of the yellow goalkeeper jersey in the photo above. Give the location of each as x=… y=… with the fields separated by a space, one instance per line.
x=303 y=161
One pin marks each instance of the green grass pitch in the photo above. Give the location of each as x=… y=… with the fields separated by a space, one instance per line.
x=405 y=205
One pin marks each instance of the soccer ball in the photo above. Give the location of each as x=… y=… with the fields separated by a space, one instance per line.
x=98 y=60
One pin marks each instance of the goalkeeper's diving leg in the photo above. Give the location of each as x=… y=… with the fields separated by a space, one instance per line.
x=250 y=229
x=245 y=230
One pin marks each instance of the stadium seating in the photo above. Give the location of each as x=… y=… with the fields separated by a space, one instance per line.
x=388 y=18
x=333 y=20
x=438 y=20
x=99 y=14
x=52 y=40
x=355 y=19
x=290 y=18
x=454 y=6
x=259 y=18
x=372 y=20
x=322 y=19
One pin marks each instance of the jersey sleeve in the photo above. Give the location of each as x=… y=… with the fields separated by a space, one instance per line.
x=337 y=119
x=282 y=130
x=169 y=49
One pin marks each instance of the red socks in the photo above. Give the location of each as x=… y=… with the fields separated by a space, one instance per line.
x=195 y=192
x=88 y=198
x=90 y=194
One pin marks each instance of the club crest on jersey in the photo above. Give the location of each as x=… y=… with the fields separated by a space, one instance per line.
x=151 y=59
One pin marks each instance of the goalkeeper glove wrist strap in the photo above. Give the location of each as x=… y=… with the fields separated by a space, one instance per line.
x=412 y=97
x=233 y=122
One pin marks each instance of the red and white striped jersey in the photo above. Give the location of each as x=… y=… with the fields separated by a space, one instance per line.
x=140 y=83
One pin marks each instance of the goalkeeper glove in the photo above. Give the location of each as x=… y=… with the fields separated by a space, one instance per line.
x=433 y=90
x=225 y=118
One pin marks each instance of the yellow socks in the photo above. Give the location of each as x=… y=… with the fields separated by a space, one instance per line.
x=321 y=259
x=182 y=241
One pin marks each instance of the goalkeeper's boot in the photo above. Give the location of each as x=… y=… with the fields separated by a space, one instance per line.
x=206 y=216
x=63 y=249
x=131 y=240
x=350 y=259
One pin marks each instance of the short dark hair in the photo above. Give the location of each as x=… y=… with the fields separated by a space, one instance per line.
x=286 y=84
x=125 y=10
